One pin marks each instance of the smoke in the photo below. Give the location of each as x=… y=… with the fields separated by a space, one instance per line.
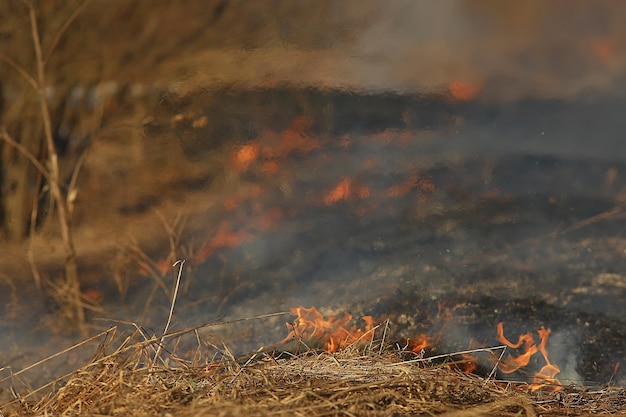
x=545 y=49
x=563 y=352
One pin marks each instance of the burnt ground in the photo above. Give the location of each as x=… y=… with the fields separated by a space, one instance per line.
x=529 y=238
x=501 y=231
x=398 y=218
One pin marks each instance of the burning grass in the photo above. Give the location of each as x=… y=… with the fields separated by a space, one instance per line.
x=134 y=374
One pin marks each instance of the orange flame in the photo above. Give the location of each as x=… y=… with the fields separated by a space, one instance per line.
x=512 y=363
x=419 y=343
x=464 y=91
x=341 y=191
x=345 y=190
x=546 y=375
x=469 y=362
x=400 y=190
x=334 y=333
x=294 y=140
x=224 y=238
x=246 y=155
x=603 y=49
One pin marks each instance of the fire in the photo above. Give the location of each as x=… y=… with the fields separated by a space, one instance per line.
x=341 y=191
x=404 y=188
x=464 y=91
x=294 y=140
x=512 y=364
x=418 y=344
x=603 y=49
x=246 y=155
x=334 y=333
x=345 y=190
x=338 y=332
x=271 y=146
x=224 y=237
x=547 y=375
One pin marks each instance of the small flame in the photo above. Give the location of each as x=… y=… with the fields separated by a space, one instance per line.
x=546 y=377
x=400 y=190
x=345 y=190
x=464 y=91
x=224 y=237
x=341 y=191
x=334 y=333
x=418 y=344
x=293 y=141
x=603 y=49
x=246 y=155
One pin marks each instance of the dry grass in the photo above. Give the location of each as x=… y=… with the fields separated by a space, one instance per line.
x=134 y=374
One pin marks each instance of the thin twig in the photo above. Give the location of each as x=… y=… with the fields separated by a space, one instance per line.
x=54 y=181
x=62 y=29
x=495 y=366
x=77 y=345
x=71 y=189
x=34 y=212
x=21 y=71
x=447 y=355
x=181 y=264
x=25 y=152
x=382 y=343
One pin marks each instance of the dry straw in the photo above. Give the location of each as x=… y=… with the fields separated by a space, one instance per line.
x=134 y=374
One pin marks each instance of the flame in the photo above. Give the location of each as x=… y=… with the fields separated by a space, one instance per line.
x=464 y=91
x=270 y=167
x=334 y=333
x=246 y=155
x=340 y=192
x=338 y=332
x=603 y=49
x=269 y=219
x=294 y=140
x=273 y=146
x=469 y=363
x=418 y=344
x=93 y=296
x=547 y=374
x=513 y=363
x=245 y=194
x=224 y=237
x=400 y=190
x=345 y=190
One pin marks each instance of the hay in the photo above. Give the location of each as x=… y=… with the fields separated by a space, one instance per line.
x=134 y=375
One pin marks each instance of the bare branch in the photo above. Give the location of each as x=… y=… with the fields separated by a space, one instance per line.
x=71 y=189
x=22 y=149
x=72 y=280
x=62 y=29
x=21 y=71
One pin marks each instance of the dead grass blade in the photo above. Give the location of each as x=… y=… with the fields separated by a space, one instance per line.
x=121 y=379
x=496 y=408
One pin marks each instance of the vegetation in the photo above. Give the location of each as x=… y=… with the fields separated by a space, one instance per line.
x=134 y=374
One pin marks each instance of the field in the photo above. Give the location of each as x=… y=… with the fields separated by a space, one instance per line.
x=347 y=156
